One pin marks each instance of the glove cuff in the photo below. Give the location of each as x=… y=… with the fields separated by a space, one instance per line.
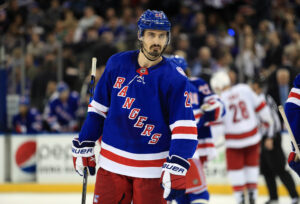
x=176 y=165
x=82 y=149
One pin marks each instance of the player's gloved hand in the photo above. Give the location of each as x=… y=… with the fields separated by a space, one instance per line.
x=173 y=179
x=294 y=163
x=212 y=109
x=83 y=156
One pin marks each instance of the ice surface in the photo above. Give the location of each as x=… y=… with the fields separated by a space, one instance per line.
x=75 y=198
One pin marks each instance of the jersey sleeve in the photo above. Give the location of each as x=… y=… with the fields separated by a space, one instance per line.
x=97 y=110
x=292 y=111
x=261 y=109
x=182 y=121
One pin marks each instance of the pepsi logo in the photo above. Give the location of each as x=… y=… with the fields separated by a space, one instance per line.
x=25 y=156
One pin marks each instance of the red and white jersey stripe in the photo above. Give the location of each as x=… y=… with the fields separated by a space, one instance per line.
x=244 y=139
x=294 y=96
x=98 y=108
x=131 y=164
x=184 y=129
x=206 y=148
x=197 y=114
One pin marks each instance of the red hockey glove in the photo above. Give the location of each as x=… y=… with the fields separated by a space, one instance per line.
x=295 y=165
x=83 y=156
x=173 y=178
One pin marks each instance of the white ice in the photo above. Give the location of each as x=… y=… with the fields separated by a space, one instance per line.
x=72 y=198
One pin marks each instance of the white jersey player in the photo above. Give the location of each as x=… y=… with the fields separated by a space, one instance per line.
x=241 y=132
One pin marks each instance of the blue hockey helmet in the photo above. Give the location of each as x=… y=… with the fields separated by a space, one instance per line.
x=61 y=87
x=180 y=61
x=155 y=20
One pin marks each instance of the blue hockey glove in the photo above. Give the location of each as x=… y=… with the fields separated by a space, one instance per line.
x=295 y=165
x=83 y=156
x=173 y=179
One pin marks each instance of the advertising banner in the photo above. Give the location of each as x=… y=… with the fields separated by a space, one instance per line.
x=54 y=159
x=22 y=158
x=215 y=170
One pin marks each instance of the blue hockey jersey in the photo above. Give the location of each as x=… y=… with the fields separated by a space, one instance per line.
x=61 y=116
x=29 y=124
x=292 y=109
x=143 y=114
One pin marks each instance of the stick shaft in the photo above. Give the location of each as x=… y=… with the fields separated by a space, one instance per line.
x=84 y=185
x=286 y=122
x=91 y=89
x=93 y=74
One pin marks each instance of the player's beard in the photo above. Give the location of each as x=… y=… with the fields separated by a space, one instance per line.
x=154 y=54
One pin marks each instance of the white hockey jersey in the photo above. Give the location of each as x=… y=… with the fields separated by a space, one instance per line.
x=240 y=121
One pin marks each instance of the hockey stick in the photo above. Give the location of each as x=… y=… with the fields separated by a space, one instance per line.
x=288 y=127
x=91 y=89
x=84 y=185
x=93 y=74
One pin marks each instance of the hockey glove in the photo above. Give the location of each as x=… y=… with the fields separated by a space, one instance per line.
x=295 y=165
x=83 y=156
x=213 y=110
x=173 y=179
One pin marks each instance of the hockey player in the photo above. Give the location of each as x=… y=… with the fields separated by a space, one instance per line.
x=60 y=113
x=292 y=111
x=141 y=107
x=28 y=120
x=241 y=134
x=207 y=107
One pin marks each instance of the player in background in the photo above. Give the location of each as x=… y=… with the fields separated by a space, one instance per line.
x=28 y=120
x=292 y=111
x=242 y=136
x=207 y=108
x=141 y=107
x=272 y=158
x=61 y=110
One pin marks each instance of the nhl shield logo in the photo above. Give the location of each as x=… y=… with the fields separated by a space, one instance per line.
x=142 y=71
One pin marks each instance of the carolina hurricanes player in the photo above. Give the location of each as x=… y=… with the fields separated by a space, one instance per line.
x=241 y=134
x=207 y=107
x=292 y=111
x=142 y=109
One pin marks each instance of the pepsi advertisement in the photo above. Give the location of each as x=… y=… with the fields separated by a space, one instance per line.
x=54 y=159
x=23 y=158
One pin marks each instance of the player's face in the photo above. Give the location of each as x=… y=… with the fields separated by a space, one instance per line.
x=154 y=42
x=64 y=96
x=23 y=109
